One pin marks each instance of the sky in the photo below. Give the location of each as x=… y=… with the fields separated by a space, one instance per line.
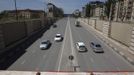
x=67 y=5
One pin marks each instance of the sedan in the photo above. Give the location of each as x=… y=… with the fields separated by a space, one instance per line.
x=97 y=48
x=45 y=44
x=58 y=37
x=81 y=47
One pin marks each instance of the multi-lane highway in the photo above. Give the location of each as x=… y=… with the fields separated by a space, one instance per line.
x=56 y=57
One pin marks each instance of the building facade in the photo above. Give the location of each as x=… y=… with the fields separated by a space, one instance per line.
x=83 y=13
x=124 y=10
x=26 y=14
x=53 y=11
x=98 y=12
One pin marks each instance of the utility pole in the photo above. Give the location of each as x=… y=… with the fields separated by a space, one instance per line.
x=110 y=14
x=16 y=10
x=110 y=18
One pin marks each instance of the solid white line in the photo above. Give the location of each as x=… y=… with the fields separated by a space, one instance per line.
x=72 y=47
x=71 y=39
x=62 y=47
x=23 y=62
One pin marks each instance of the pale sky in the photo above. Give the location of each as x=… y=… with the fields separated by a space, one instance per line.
x=68 y=5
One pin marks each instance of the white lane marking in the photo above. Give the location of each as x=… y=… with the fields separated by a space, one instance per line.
x=72 y=48
x=23 y=62
x=75 y=63
x=62 y=48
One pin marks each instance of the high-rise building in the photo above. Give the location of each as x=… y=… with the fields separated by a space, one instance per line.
x=83 y=13
x=123 y=10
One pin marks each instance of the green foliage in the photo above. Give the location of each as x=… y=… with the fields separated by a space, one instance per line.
x=3 y=14
x=88 y=8
x=108 y=6
x=91 y=6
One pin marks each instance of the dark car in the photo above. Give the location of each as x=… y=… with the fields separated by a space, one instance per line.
x=97 y=48
x=77 y=24
x=54 y=25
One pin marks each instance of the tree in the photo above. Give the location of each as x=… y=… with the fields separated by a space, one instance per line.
x=3 y=14
x=91 y=6
x=109 y=4
x=88 y=8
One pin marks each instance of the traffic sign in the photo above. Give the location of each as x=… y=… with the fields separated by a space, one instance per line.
x=71 y=57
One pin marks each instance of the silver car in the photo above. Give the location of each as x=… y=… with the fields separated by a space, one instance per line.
x=97 y=48
x=45 y=44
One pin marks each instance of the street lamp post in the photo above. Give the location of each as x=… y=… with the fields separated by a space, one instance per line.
x=16 y=12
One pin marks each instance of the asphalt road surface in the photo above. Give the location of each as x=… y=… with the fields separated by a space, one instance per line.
x=56 y=57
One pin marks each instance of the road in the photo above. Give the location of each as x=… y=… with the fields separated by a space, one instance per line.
x=56 y=58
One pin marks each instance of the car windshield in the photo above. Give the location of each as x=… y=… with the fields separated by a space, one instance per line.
x=98 y=45
x=58 y=36
x=82 y=47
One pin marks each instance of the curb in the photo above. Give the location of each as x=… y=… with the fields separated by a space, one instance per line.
x=116 y=50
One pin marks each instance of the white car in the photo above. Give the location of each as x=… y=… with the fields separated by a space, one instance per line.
x=81 y=47
x=45 y=44
x=58 y=37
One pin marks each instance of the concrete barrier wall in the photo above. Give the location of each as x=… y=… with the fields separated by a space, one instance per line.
x=121 y=32
x=29 y=27
x=99 y=25
x=13 y=31
x=36 y=24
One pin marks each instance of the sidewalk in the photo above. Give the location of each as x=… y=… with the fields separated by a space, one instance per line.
x=116 y=46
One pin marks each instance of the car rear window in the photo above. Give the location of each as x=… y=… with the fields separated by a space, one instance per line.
x=98 y=45
x=44 y=42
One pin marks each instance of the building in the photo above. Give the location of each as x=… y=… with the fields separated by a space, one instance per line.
x=83 y=13
x=124 y=10
x=27 y=13
x=97 y=10
x=53 y=11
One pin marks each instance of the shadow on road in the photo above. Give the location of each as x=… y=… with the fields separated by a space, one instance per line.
x=10 y=56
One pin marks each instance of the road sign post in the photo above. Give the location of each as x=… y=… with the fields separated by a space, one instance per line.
x=71 y=57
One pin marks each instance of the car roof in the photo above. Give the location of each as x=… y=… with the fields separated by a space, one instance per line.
x=58 y=34
x=81 y=44
x=44 y=40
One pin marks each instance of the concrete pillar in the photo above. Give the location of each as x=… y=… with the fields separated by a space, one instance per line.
x=132 y=16
x=2 y=45
x=131 y=47
x=116 y=11
x=93 y=24
x=106 y=29
x=87 y=20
